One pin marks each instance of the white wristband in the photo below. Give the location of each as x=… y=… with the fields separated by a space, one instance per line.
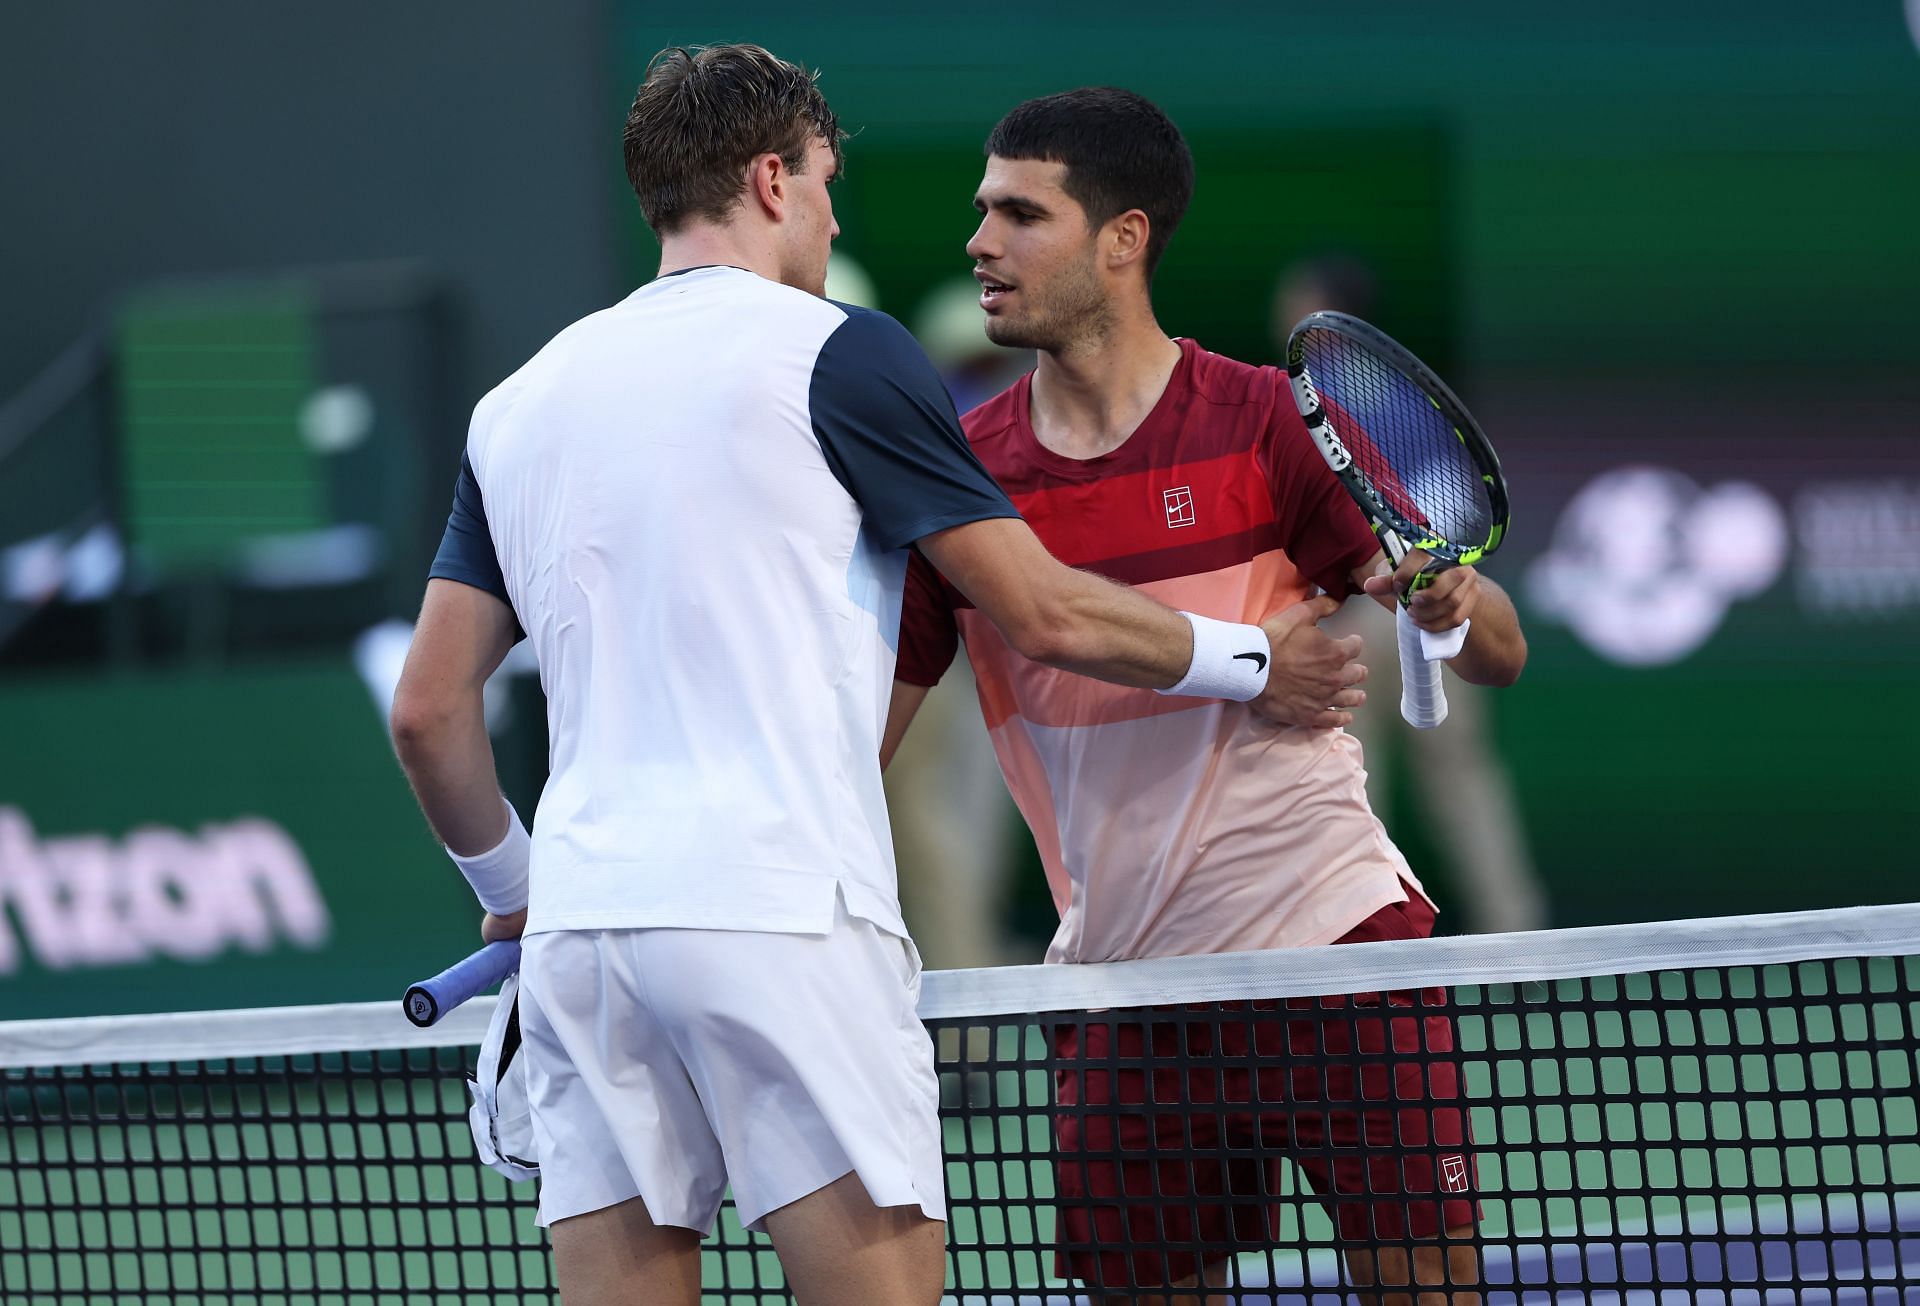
x=1229 y=661
x=499 y=875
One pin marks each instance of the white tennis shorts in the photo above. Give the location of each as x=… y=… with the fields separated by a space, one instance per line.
x=666 y=1063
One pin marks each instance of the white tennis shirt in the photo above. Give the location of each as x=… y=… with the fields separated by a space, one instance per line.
x=698 y=504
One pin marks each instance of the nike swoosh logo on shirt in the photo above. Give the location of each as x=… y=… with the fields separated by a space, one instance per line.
x=1259 y=660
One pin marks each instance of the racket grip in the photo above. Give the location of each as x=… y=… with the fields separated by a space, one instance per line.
x=1444 y=645
x=1423 y=701
x=430 y=999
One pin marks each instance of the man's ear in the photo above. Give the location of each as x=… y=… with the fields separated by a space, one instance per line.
x=766 y=184
x=1125 y=238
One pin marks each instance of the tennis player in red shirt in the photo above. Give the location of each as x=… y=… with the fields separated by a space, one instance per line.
x=1169 y=825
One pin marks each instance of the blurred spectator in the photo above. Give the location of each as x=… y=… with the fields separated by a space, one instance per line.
x=1474 y=822
x=952 y=820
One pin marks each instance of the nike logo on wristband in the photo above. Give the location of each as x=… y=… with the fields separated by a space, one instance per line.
x=1259 y=660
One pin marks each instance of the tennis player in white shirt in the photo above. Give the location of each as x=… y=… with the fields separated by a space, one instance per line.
x=697 y=504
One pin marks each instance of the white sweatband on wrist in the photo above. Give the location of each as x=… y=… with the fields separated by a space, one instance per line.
x=499 y=875
x=1229 y=661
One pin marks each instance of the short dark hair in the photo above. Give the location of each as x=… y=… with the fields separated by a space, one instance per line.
x=703 y=114
x=1121 y=152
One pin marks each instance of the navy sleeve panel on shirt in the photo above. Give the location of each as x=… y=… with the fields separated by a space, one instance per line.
x=889 y=432
x=466 y=550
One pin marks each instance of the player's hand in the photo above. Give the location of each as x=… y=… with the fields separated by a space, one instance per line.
x=1313 y=678
x=495 y=928
x=1445 y=603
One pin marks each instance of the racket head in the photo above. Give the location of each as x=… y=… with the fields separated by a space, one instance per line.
x=1399 y=439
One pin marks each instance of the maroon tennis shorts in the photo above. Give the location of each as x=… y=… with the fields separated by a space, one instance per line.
x=1364 y=1099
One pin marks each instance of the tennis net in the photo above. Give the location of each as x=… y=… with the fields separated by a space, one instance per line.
x=1712 y=1111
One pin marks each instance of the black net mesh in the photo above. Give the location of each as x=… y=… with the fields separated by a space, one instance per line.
x=1725 y=1135
x=1410 y=452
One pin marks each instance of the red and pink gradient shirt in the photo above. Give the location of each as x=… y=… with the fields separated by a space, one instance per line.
x=1173 y=826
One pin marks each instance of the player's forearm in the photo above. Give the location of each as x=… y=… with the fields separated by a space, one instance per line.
x=448 y=759
x=1110 y=632
x=1496 y=649
x=1080 y=622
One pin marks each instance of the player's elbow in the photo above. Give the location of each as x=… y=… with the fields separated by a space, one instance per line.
x=419 y=720
x=1504 y=672
x=1050 y=614
x=1053 y=634
x=1502 y=678
x=1045 y=644
x=1518 y=661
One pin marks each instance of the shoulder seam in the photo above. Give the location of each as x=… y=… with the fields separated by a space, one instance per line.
x=1206 y=390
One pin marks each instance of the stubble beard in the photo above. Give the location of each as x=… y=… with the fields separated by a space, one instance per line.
x=1071 y=313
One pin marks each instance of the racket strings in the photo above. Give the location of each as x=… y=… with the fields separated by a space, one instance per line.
x=1401 y=441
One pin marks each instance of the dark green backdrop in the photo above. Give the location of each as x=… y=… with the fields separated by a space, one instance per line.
x=1566 y=205
x=1637 y=233
x=1637 y=183
x=302 y=747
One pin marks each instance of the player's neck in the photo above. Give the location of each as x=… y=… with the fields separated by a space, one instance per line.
x=1086 y=401
x=703 y=244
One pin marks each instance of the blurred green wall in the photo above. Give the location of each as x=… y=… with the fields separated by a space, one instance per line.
x=1636 y=184
x=1566 y=206
x=1571 y=208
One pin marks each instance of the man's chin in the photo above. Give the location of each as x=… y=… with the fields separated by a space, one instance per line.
x=1013 y=335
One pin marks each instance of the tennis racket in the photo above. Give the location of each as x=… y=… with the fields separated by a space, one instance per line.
x=433 y=998
x=1416 y=462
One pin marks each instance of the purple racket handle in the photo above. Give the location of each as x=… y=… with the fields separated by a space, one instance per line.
x=431 y=999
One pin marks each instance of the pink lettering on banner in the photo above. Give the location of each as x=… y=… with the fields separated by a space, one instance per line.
x=86 y=901
x=264 y=866
x=86 y=877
